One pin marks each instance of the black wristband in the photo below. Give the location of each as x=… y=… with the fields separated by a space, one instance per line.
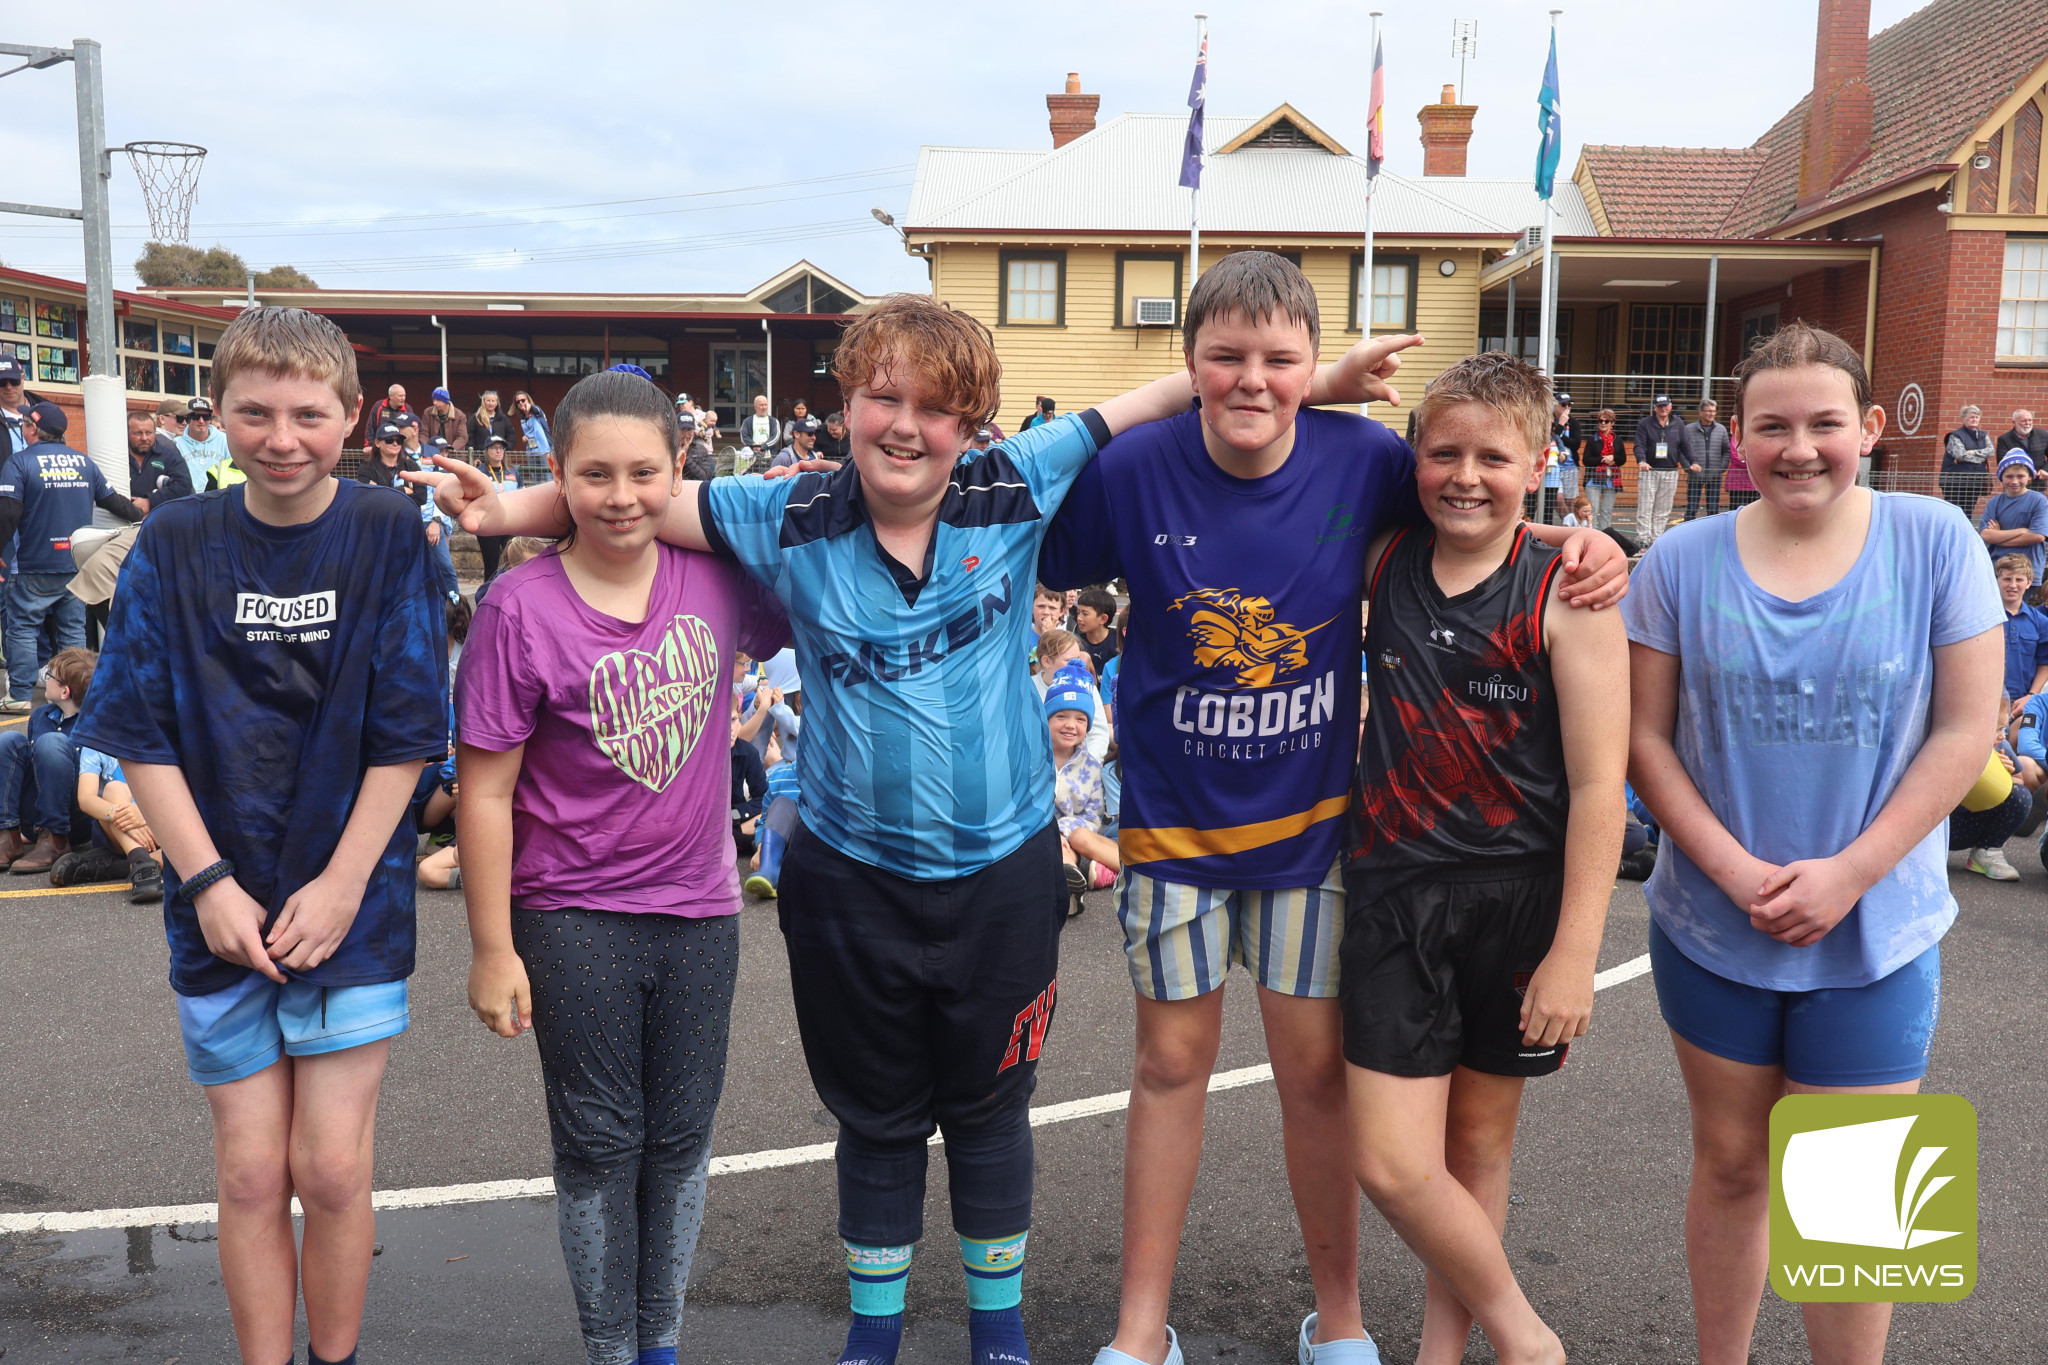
x=204 y=878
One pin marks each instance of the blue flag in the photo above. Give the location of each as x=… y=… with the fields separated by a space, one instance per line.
x=1550 y=122
x=1191 y=154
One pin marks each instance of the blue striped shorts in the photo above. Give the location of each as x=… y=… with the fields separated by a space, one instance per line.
x=1181 y=940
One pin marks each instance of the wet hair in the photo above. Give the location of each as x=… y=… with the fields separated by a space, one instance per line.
x=2006 y=564
x=1796 y=346
x=73 y=668
x=950 y=357
x=1255 y=285
x=1512 y=387
x=1054 y=593
x=613 y=393
x=286 y=343
x=1099 y=601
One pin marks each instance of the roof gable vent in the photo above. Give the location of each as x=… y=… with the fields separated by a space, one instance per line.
x=1285 y=133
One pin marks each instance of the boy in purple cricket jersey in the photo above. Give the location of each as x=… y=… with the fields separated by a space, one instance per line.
x=598 y=861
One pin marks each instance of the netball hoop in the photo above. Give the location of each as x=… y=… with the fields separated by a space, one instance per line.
x=169 y=172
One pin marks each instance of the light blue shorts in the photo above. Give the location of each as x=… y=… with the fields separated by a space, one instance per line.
x=235 y=1033
x=1181 y=940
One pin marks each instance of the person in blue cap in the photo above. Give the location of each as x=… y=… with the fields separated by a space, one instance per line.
x=2016 y=517
x=1077 y=798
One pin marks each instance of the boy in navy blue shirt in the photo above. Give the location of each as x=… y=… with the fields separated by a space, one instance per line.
x=273 y=679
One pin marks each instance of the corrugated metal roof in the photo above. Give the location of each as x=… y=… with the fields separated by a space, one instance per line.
x=1122 y=178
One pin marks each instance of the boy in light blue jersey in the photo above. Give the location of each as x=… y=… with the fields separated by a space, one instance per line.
x=1242 y=531
x=926 y=777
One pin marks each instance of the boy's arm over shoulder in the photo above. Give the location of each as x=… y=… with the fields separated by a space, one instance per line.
x=744 y=517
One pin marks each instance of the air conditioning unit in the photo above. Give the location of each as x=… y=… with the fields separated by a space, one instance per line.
x=1155 y=312
x=1532 y=239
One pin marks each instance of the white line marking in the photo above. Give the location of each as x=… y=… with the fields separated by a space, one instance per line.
x=434 y=1196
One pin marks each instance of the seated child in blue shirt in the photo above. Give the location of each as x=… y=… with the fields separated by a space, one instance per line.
x=39 y=771
x=777 y=823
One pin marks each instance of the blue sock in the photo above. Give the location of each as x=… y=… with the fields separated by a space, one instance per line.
x=872 y=1341
x=658 y=1355
x=313 y=1357
x=995 y=1336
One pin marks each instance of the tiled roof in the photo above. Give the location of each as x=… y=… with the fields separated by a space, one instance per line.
x=1122 y=177
x=1934 y=77
x=1669 y=191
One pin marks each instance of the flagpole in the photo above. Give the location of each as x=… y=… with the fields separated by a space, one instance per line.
x=1195 y=190
x=1364 y=301
x=1548 y=330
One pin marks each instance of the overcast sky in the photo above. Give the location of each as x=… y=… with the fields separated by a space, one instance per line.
x=423 y=146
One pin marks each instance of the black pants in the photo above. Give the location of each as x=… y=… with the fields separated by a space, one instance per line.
x=1989 y=828
x=1964 y=487
x=492 y=548
x=922 y=1005
x=631 y=1013
x=1698 y=486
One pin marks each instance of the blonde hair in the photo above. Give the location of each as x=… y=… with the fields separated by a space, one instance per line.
x=1511 y=387
x=286 y=343
x=2006 y=564
x=1054 y=643
x=519 y=549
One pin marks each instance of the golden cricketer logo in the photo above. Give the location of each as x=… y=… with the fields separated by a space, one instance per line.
x=1233 y=630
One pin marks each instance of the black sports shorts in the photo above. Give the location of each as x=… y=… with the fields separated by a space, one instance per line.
x=1432 y=972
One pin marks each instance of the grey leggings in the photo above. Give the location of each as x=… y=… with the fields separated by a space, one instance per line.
x=631 y=1012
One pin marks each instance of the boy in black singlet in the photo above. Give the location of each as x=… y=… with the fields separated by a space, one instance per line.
x=1486 y=831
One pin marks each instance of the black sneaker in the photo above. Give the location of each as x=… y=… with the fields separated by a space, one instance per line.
x=85 y=866
x=148 y=881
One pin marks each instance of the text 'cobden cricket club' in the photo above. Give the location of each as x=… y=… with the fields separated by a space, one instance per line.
x=254 y=609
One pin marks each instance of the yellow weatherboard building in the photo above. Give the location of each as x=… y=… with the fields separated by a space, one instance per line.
x=1076 y=256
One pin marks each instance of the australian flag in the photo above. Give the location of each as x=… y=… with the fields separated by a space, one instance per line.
x=1191 y=154
x=1550 y=122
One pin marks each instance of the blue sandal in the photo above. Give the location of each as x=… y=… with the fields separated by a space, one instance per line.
x=1109 y=1355
x=1348 y=1351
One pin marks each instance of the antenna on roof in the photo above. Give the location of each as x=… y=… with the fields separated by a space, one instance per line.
x=1464 y=45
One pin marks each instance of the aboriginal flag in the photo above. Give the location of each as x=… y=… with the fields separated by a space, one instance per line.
x=1376 y=121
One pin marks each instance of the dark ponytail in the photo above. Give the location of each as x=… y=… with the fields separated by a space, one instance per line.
x=613 y=393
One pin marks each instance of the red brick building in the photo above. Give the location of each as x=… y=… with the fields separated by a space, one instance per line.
x=1919 y=151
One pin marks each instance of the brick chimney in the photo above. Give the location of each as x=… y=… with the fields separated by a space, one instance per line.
x=1446 y=129
x=1073 y=113
x=1838 y=111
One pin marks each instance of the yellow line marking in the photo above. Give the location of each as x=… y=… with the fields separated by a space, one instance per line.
x=67 y=890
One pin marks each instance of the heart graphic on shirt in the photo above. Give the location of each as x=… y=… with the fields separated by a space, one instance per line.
x=647 y=710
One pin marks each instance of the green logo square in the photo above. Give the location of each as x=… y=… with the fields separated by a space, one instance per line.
x=1873 y=1198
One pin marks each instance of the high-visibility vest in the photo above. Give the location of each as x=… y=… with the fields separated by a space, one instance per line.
x=225 y=474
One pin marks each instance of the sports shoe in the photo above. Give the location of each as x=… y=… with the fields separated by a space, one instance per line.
x=85 y=866
x=1346 y=1351
x=760 y=887
x=146 y=881
x=16 y=706
x=1105 y=877
x=1109 y=1355
x=1077 y=880
x=1990 y=862
x=2037 y=815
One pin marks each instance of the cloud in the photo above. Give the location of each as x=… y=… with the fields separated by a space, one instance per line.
x=318 y=118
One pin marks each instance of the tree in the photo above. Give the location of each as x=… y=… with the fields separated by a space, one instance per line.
x=168 y=265
x=284 y=277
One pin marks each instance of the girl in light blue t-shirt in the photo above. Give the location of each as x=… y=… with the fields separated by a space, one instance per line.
x=1814 y=680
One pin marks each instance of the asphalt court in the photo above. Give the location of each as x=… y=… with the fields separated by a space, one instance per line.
x=100 y=1116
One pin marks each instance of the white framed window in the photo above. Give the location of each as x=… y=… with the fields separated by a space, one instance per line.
x=2023 y=300
x=1390 y=303
x=1033 y=289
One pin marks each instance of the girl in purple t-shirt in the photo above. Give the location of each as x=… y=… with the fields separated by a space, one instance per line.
x=598 y=861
